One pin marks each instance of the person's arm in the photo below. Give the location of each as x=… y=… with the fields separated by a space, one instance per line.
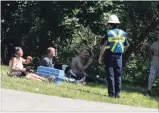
x=81 y=67
x=72 y=73
x=14 y=68
x=102 y=50
x=24 y=61
x=126 y=43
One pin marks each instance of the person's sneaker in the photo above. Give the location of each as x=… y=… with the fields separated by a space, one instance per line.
x=117 y=96
x=148 y=93
x=84 y=83
x=82 y=80
x=111 y=96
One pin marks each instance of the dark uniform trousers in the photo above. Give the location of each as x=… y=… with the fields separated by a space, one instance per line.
x=113 y=65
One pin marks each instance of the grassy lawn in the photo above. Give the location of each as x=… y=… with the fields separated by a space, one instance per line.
x=130 y=95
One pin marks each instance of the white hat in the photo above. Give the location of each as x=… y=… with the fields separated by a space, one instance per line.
x=113 y=19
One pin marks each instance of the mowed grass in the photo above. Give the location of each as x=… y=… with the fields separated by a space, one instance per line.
x=130 y=95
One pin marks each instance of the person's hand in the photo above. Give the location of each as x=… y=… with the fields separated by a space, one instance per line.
x=28 y=68
x=100 y=60
x=90 y=60
x=31 y=70
x=23 y=70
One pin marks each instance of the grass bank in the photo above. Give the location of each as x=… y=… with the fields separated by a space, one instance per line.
x=130 y=95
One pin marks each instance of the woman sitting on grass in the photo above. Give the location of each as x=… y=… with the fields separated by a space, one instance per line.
x=16 y=68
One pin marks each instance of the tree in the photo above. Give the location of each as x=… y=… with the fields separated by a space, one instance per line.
x=69 y=25
x=140 y=20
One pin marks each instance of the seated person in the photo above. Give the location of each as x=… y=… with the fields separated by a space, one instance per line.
x=16 y=68
x=79 y=65
x=70 y=76
x=47 y=62
x=28 y=64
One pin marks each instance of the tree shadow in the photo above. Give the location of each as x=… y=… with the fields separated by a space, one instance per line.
x=129 y=88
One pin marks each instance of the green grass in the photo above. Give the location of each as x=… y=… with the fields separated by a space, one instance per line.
x=130 y=95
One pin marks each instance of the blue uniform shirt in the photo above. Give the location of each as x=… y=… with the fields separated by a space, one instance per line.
x=106 y=43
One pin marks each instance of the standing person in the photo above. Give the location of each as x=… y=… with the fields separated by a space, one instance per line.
x=79 y=64
x=154 y=70
x=113 y=48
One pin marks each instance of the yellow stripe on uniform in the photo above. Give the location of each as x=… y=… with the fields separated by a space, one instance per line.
x=121 y=39
x=120 y=42
x=114 y=46
x=116 y=40
x=114 y=34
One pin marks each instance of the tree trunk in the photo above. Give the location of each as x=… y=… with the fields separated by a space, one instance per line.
x=133 y=47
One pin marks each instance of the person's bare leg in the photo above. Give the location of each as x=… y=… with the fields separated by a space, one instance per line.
x=50 y=79
x=82 y=80
x=29 y=76
x=152 y=76
x=38 y=77
x=150 y=84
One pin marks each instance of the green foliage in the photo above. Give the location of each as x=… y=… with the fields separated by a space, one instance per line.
x=137 y=71
x=68 y=26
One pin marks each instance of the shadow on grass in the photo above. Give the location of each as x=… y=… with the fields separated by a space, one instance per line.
x=129 y=88
x=126 y=88
x=86 y=90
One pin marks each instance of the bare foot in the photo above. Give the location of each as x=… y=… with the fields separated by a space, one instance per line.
x=51 y=79
x=83 y=83
x=82 y=80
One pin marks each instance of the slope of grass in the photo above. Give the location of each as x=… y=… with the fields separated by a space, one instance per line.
x=131 y=95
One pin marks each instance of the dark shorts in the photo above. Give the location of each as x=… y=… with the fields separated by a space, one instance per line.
x=90 y=78
x=79 y=76
x=18 y=74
